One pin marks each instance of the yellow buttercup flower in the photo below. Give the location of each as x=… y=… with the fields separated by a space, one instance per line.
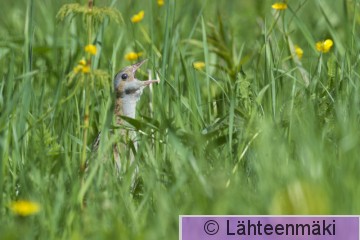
x=160 y=2
x=78 y=68
x=299 y=52
x=132 y=56
x=324 y=46
x=24 y=208
x=83 y=67
x=199 y=65
x=82 y=62
x=138 y=17
x=279 y=6
x=90 y=48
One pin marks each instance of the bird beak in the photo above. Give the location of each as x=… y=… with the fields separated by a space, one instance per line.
x=148 y=82
x=136 y=66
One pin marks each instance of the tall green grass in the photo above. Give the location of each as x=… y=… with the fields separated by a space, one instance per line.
x=245 y=135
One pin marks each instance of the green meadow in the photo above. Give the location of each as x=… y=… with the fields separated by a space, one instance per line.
x=257 y=112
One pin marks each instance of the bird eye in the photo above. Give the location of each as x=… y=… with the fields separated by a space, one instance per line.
x=124 y=76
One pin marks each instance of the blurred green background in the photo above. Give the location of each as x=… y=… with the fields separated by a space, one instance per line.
x=256 y=131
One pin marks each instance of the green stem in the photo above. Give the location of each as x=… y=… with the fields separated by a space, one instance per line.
x=86 y=127
x=87 y=100
x=86 y=113
x=89 y=26
x=85 y=138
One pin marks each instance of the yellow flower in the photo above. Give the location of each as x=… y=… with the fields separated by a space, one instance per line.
x=78 y=68
x=299 y=52
x=90 y=48
x=279 y=6
x=83 y=67
x=24 y=208
x=199 y=65
x=138 y=17
x=132 y=56
x=82 y=62
x=160 y=2
x=324 y=46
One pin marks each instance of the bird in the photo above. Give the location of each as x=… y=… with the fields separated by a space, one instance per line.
x=128 y=90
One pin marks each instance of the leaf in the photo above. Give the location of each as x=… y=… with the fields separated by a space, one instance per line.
x=138 y=124
x=261 y=94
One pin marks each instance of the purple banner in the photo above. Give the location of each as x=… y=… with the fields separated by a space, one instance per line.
x=269 y=228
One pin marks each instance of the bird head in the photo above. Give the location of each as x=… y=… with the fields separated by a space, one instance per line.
x=127 y=85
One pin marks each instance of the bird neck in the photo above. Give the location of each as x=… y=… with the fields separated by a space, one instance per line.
x=125 y=107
